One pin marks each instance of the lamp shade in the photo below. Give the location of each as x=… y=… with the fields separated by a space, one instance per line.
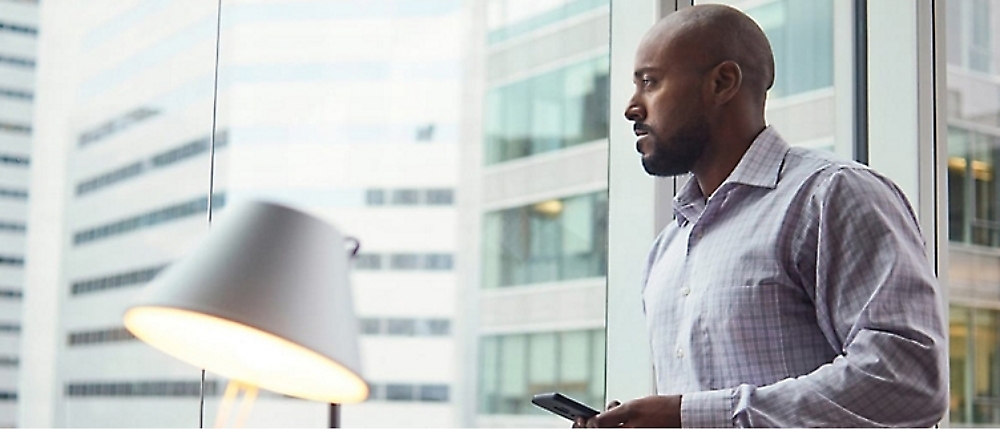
x=264 y=300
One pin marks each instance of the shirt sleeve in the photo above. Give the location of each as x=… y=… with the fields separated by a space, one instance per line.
x=877 y=302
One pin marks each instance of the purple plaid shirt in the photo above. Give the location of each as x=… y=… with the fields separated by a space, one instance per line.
x=798 y=294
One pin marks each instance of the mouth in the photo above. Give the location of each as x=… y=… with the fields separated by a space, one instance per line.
x=641 y=131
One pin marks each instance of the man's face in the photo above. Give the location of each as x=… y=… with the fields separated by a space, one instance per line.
x=667 y=110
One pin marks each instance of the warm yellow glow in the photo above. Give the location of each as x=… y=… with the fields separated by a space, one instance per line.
x=549 y=208
x=242 y=353
x=980 y=169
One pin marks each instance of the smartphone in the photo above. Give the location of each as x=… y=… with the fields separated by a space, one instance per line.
x=564 y=406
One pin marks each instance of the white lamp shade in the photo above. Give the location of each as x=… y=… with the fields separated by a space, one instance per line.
x=265 y=300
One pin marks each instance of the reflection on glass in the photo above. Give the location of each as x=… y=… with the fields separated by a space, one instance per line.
x=547 y=241
x=541 y=206
x=570 y=362
x=547 y=112
x=801 y=104
x=973 y=112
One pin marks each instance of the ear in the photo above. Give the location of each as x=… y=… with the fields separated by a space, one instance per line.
x=726 y=79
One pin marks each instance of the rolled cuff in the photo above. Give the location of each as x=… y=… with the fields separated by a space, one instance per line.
x=711 y=409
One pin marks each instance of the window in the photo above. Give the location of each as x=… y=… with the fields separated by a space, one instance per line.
x=515 y=367
x=559 y=239
x=150 y=219
x=399 y=392
x=434 y=393
x=438 y=261
x=370 y=326
x=143 y=388
x=17 y=61
x=547 y=112
x=404 y=261
x=973 y=211
x=368 y=261
x=405 y=197
x=375 y=197
x=440 y=197
x=406 y=327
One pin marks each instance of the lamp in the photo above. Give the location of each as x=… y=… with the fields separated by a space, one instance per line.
x=264 y=300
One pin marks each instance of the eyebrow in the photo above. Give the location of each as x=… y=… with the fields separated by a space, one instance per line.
x=638 y=73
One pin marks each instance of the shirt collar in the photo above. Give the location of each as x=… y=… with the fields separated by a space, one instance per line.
x=759 y=167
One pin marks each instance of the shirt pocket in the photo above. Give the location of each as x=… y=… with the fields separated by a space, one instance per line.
x=746 y=332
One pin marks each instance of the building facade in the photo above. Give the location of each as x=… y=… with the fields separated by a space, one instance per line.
x=347 y=110
x=534 y=174
x=18 y=44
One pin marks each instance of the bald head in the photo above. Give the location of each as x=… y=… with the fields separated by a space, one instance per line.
x=707 y=35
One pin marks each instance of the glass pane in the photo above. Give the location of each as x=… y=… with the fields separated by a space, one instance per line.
x=802 y=104
x=972 y=106
x=129 y=189
x=349 y=110
x=535 y=174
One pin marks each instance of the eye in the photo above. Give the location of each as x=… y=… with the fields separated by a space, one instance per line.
x=647 y=81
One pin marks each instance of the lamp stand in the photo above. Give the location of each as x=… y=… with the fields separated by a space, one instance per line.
x=334 y=415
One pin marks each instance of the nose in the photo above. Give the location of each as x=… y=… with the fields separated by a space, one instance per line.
x=635 y=112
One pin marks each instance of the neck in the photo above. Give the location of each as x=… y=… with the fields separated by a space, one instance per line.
x=722 y=157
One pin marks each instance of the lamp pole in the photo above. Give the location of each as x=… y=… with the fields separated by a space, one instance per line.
x=334 y=416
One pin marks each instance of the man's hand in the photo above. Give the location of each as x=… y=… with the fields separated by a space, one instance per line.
x=651 y=411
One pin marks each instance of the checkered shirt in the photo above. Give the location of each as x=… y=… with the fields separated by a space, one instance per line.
x=798 y=294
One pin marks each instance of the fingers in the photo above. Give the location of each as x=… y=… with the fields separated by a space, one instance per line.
x=614 y=417
x=614 y=403
x=580 y=422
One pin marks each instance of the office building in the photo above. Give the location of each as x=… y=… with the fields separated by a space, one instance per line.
x=18 y=40
x=342 y=109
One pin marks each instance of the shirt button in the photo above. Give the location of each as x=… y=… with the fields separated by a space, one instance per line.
x=685 y=291
x=680 y=353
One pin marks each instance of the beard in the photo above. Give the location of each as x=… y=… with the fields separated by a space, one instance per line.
x=678 y=154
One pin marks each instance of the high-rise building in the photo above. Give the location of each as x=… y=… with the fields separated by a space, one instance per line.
x=348 y=110
x=18 y=35
x=534 y=174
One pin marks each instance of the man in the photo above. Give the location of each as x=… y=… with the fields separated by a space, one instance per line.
x=793 y=288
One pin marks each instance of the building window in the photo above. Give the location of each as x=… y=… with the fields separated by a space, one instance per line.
x=368 y=261
x=113 y=335
x=405 y=197
x=547 y=112
x=18 y=28
x=11 y=260
x=375 y=197
x=801 y=36
x=15 y=128
x=8 y=396
x=16 y=61
x=403 y=327
x=425 y=133
x=15 y=159
x=126 y=279
x=438 y=261
x=434 y=393
x=13 y=93
x=517 y=366
x=12 y=227
x=116 y=125
x=143 y=388
x=553 y=240
x=17 y=194
x=150 y=219
x=10 y=294
x=404 y=261
x=10 y=327
x=9 y=361
x=370 y=326
x=399 y=392
x=440 y=197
